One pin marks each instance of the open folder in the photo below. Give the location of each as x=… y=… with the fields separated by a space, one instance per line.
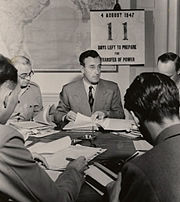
x=57 y=152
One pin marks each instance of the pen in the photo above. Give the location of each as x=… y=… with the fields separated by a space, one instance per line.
x=69 y=159
x=132 y=156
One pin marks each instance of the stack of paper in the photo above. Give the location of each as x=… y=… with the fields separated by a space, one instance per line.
x=32 y=128
x=83 y=121
x=57 y=152
x=117 y=124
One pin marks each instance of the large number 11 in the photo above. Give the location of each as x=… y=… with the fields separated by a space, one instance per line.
x=110 y=31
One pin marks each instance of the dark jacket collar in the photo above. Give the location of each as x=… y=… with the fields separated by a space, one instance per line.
x=168 y=132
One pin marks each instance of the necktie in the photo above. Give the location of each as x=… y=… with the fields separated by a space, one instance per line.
x=91 y=99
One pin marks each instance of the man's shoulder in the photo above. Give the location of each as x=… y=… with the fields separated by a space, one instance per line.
x=109 y=83
x=73 y=84
x=33 y=85
x=6 y=133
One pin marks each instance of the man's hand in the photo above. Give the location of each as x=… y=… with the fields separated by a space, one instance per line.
x=80 y=164
x=113 y=189
x=40 y=160
x=70 y=116
x=98 y=115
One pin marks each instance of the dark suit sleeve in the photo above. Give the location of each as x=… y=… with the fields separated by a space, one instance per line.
x=24 y=180
x=116 y=105
x=135 y=186
x=63 y=106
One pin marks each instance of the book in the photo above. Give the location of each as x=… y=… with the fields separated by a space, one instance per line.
x=98 y=176
x=57 y=152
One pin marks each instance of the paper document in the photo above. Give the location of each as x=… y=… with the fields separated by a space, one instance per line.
x=81 y=121
x=51 y=147
x=117 y=124
x=32 y=128
x=142 y=145
x=44 y=116
x=57 y=151
x=28 y=125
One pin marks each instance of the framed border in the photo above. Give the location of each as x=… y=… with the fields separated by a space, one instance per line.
x=104 y=68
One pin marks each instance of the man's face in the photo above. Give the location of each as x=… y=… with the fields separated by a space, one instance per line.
x=92 y=69
x=167 y=68
x=10 y=100
x=24 y=73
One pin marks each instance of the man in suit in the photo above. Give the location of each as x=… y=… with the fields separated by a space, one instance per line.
x=169 y=64
x=91 y=95
x=21 y=178
x=153 y=100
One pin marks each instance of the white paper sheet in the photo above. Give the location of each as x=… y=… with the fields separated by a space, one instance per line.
x=117 y=124
x=58 y=159
x=81 y=121
x=51 y=147
x=142 y=145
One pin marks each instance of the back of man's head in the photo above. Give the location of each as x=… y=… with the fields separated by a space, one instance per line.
x=170 y=56
x=7 y=71
x=86 y=54
x=152 y=97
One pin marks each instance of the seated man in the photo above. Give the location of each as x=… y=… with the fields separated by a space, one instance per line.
x=91 y=95
x=153 y=100
x=22 y=179
x=30 y=98
x=169 y=64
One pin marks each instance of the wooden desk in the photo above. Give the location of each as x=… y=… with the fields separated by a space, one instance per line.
x=118 y=148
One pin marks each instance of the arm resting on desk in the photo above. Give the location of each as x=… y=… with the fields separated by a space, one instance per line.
x=23 y=180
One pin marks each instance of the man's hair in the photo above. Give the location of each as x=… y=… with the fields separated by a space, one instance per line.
x=86 y=54
x=152 y=97
x=20 y=59
x=7 y=71
x=169 y=56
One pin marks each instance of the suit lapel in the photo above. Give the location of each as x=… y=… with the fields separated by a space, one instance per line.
x=83 y=100
x=99 y=96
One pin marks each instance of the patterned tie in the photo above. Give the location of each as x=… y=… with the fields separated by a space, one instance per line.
x=91 y=99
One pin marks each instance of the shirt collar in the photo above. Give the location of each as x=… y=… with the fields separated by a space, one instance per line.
x=23 y=90
x=87 y=84
x=168 y=132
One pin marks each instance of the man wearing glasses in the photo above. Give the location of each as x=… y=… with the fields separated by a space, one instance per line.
x=30 y=98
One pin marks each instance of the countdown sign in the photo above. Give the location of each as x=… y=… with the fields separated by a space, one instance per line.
x=118 y=36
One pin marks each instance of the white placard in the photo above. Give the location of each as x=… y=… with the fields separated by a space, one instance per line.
x=118 y=36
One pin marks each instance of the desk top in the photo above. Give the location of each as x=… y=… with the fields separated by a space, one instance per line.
x=118 y=148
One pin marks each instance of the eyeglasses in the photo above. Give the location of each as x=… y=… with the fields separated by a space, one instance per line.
x=25 y=75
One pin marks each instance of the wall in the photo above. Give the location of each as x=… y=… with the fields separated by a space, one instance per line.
x=51 y=83
x=159 y=27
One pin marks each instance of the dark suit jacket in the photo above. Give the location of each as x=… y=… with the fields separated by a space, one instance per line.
x=23 y=180
x=154 y=176
x=74 y=97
